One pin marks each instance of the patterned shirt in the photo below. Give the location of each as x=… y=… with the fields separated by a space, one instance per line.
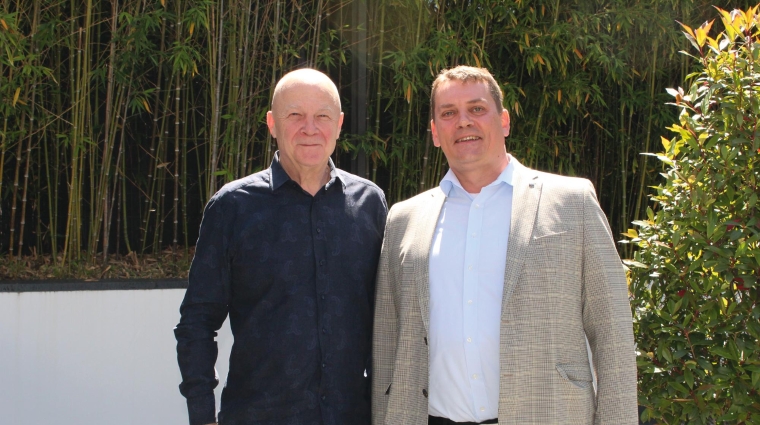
x=295 y=273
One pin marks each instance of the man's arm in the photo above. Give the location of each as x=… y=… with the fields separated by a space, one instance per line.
x=203 y=312
x=607 y=319
x=385 y=332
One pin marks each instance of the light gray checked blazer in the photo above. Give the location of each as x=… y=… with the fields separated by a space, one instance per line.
x=563 y=283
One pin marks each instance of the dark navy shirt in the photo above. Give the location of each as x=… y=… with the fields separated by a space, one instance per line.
x=296 y=275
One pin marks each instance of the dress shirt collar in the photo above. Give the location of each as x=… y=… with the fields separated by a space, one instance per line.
x=507 y=176
x=280 y=176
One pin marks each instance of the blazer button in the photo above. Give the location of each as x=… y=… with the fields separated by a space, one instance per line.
x=424 y=392
x=425 y=340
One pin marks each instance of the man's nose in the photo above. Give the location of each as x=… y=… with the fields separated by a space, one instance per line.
x=464 y=120
x=309 y=126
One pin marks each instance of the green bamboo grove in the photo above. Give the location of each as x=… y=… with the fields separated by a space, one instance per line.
x=120 y=118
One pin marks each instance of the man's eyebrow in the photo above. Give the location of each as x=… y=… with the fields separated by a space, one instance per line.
x=295 y=106
x=469 y=102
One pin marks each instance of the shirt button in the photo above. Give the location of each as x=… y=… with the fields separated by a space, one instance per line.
x=319 y=230
x=482 y=409
x=469 y=339
x=469 y=301
x=323 y=297
x=324 y=331
x=469 y=267
x=477 y=205
x=321 y=262
x=474 y=234
x=323 y=397
x=475 y=376
x=323 y=365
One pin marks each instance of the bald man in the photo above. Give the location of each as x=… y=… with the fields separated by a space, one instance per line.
x=290 y=254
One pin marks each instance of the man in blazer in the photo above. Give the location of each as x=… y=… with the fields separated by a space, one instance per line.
x=490 y=287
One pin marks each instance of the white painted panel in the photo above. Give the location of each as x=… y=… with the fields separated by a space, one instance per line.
x=93 y=357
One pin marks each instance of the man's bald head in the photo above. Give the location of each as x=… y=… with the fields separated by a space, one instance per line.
x=306 y=76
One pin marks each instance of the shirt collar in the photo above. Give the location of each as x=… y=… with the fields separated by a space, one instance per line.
x=280 y=176
x=507 y=176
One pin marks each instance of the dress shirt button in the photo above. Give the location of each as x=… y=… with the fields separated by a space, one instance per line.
x=469 y=339
x=319 y=230
x=322 y=296
x=424 y=392
x=474 y=234
x=477 y=205
x=475 y=376
x=469 y=301
x=482 y=409
x=469 y=267
x=321 y=262
x=324 y=331
x=323 y=398
x=323 y=365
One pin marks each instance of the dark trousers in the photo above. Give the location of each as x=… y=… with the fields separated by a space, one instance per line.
x=434 y=420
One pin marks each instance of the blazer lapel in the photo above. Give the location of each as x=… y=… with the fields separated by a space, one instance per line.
x=525 y=196
x=428 y=220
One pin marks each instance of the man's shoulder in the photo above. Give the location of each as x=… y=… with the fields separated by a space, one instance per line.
x=352 y=179
x=558 y=182
x=415 y=203
x=252 y=182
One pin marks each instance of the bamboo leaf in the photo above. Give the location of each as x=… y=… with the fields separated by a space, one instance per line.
x=477 y=60
x=16 y=95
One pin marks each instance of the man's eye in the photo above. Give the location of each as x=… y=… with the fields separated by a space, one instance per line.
x=447 y=113
x=478 y=109
x=294 y=114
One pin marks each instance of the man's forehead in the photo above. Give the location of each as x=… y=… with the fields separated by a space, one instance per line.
x=325 y=106
x=290 y=94
x=470 y=98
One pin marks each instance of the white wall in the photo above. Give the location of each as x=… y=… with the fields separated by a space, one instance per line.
x=93 y=357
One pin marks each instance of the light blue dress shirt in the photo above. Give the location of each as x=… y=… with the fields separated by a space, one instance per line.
x=467 y=260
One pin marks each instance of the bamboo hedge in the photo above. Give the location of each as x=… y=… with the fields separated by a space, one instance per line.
x=119 y=119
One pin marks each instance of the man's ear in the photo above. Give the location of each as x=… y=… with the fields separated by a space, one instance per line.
x=434 y=132
x=340 y=124
x=505 y=122
x=270 y=124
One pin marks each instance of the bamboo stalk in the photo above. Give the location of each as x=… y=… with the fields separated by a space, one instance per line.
x=176 y=165
x=19 y=145
x=650 y=118
x=379 y=92
x=101 y=213
x=215 y=67
x=268 y=153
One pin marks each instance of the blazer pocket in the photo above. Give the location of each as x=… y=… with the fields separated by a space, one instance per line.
x=577 y=374
x=550 y=234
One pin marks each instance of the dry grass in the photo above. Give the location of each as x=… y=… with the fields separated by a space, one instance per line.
x=130 y=266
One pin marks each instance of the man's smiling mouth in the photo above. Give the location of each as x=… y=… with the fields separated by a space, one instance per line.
x=467 y=139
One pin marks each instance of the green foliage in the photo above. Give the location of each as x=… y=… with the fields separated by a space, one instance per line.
x=120 y=118
x=694 y=279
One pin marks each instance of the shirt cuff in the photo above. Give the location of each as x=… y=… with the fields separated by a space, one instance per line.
x=201 y=409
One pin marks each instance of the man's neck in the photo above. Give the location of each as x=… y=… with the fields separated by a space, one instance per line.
x=476 y=179
x=310 y=179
